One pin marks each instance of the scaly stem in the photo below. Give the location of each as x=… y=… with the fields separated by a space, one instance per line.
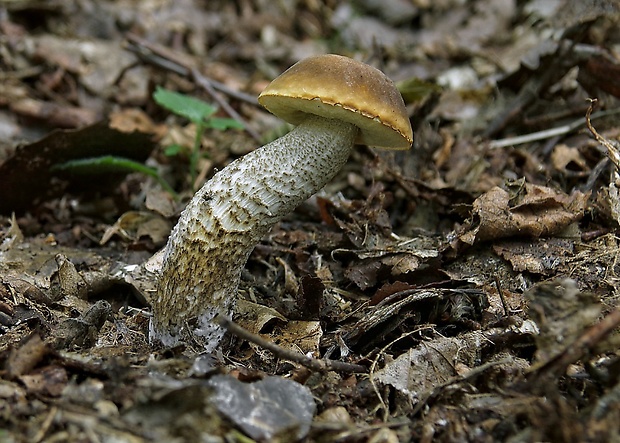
x=195 y=154
x=229 y=215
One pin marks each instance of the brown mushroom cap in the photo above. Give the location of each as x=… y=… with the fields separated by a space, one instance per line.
x=337 y=87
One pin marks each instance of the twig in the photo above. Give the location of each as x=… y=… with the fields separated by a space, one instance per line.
x=45 y=426
x=612 y=151
x=207 y=85
x=550 y=71
x=547 y=133
x=498 y=285
x=314 y=364
x=164 y=58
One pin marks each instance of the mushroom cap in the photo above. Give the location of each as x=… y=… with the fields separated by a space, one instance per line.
x=337 y=87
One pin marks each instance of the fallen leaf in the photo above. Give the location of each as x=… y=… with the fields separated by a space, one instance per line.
x=534 y=211
x=417 y=372
x=25 y=358
x=49 y=380
x=272 y=408
x=564 y=156
x=133 y=225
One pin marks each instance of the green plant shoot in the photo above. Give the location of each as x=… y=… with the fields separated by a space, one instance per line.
x=199 y=113
x=113 y=164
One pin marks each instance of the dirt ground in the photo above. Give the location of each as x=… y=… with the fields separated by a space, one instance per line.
x=464 y=290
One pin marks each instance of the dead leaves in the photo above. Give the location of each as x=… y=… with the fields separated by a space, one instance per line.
x=532 y=211
x=392 y=267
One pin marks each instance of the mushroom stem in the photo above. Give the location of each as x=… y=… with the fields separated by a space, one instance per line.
x=228 y=216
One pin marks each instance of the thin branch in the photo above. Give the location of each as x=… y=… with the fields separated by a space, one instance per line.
x=547 y=133
x=314 y=364
x=164 y=58
x=612 y=150
x=207 y=85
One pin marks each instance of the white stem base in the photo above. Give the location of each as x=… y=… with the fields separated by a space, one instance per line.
x=229 y=215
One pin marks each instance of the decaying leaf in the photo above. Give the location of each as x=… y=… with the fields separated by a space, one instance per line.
x=394 y=258
x=269 y=409
x=255 y=317
x=301 y=336
x=71 y=283
x=135 y=224
x=27 y=356
x=417 y=372
x=48 y=380
x=532 y=211
x=413 y=303
x=564 y=156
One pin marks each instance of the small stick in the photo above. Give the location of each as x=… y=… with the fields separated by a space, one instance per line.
x=320 y=365
x=172 y=61
x=612 y=150
x=548 y=133
x=498 y=285
x=206 y=84
x=166 y=59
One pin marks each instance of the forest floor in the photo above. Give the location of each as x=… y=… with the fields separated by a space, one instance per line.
x=464 y=290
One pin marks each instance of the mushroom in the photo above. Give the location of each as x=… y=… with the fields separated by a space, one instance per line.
x=334 y=101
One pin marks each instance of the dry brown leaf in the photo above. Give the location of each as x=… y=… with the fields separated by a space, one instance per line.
x=535 y=211
x=564 y=155
x=134 y=224
x=417 y=372
x=23 y=360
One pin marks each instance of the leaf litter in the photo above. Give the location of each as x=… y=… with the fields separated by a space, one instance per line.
x=465 y=290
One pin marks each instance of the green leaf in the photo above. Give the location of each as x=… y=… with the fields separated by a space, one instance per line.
x=110 y=164
x=189 y=107
x=172 y=150
x=222 y=124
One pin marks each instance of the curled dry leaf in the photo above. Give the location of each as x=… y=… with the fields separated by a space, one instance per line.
x=536 y=211
x=563 y=156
